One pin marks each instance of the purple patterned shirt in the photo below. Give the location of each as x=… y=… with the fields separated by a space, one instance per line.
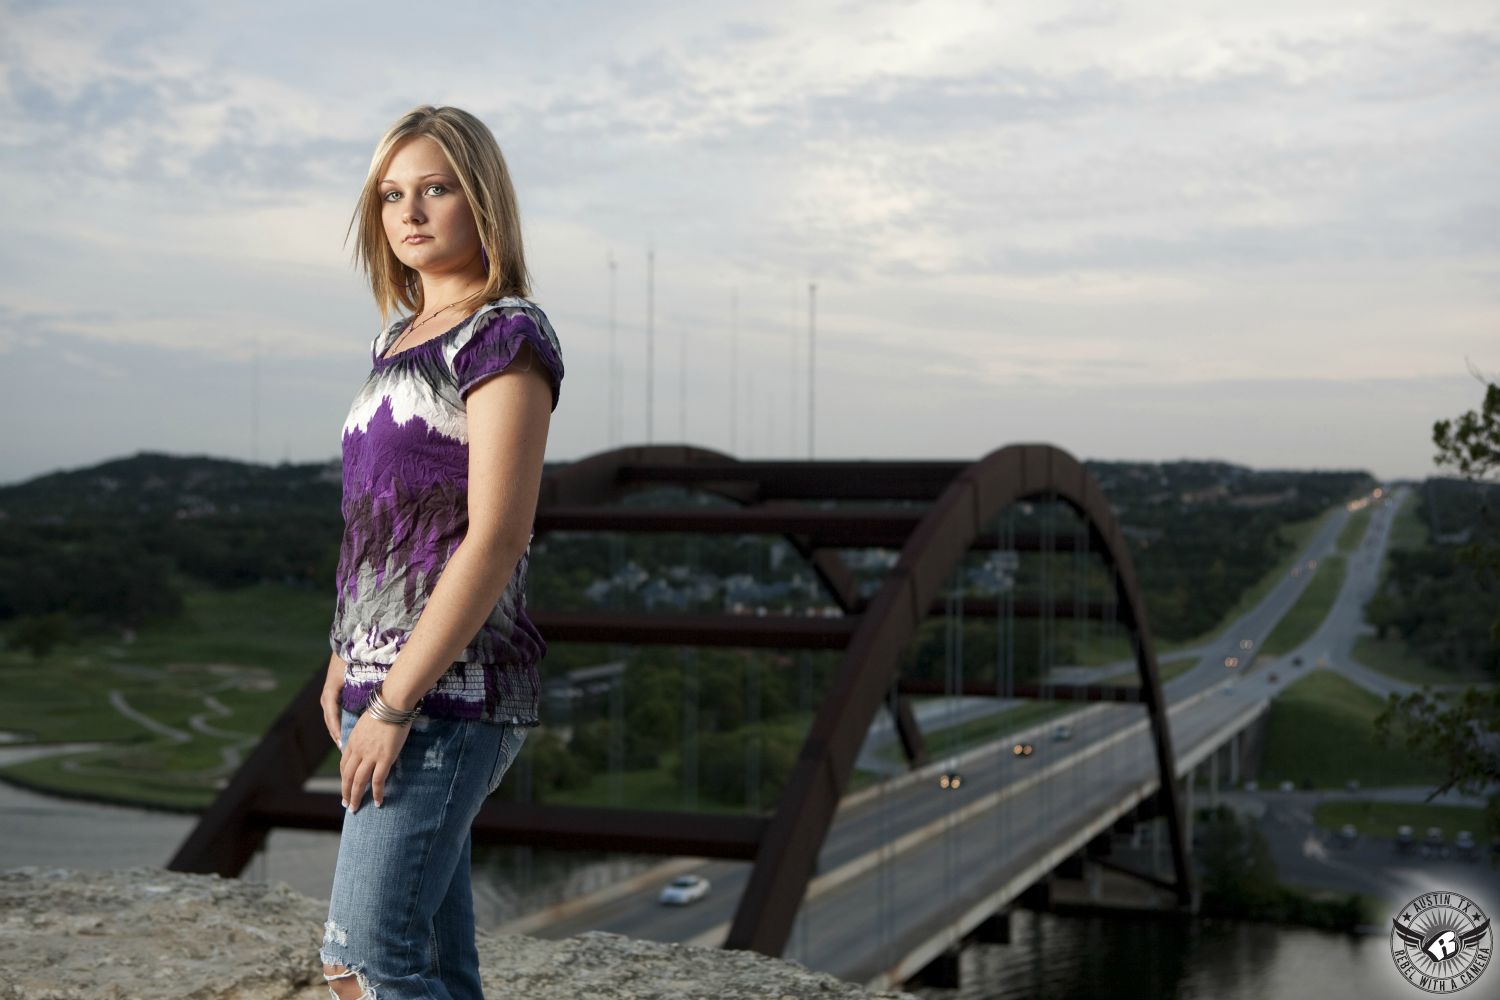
x=405 y=507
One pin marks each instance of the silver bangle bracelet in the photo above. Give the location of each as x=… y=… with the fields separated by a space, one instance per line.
x=385 y=713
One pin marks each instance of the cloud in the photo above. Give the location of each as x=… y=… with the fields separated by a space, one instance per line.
x=1066 y=197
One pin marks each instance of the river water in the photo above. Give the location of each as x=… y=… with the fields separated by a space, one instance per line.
x=1124 y=958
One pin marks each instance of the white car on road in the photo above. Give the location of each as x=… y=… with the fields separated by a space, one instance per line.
x=684 y=889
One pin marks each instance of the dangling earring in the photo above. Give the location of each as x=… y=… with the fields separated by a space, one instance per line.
x=484 y=259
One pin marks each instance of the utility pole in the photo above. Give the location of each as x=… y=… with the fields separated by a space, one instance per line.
x=650 y=333
x=750 y=411
x=812 y=331
x=255 y=400
x=681 y=383
x=734 y=364
x=791 y=383
x=613 y=428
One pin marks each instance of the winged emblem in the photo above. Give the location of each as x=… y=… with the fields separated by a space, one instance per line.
x=1471 y=938
x=1442 y=945
x=1406 y=933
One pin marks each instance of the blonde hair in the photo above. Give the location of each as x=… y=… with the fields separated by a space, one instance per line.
x=471 y=150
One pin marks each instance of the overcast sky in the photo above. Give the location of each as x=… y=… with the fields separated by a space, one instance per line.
x=1264 y=233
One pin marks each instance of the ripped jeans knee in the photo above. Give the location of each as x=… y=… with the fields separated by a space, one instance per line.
x=336 y=971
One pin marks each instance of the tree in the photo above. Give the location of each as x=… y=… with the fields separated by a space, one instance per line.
x=1239 y=875
x=1472 y=446
x=1381 y=611
x=39 y=633
x=553 y=766
x=1462 y=736
x=722 y=772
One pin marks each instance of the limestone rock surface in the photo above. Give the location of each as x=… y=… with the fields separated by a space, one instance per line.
x=150 y=934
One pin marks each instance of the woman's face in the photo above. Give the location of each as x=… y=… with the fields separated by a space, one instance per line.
x=426 y=215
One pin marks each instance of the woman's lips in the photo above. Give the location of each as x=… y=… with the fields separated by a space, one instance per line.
x=416 y=239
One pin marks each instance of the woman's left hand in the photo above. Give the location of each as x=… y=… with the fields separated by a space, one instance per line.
x=369 y=753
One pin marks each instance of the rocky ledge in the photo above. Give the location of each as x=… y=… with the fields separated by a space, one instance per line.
x=149 y=934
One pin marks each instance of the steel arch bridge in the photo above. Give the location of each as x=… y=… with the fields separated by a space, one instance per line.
x=772 y=497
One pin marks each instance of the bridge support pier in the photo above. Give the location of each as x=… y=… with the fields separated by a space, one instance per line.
x=1038 y=895
x=1234 y=761
x=1213 y=779
x=1192 y=782
x=993 y=929
x=1158 y=825
x=941 y=972
x=1100 y=846
x=1083 y=869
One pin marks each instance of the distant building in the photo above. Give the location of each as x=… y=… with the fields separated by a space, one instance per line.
x=581 y=688
x=1265 y=499
x=1143 y=535
x=1208 y=494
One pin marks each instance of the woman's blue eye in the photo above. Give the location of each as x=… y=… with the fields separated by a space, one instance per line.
x=440 y=187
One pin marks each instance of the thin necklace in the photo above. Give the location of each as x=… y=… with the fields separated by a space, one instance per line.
x=431 y=316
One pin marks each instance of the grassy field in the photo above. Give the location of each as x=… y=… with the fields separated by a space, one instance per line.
x=1380 y=819
x=1354 y=529
x=246 y=647
x=210 y=682
x=1389 y=657
x=1304 y=617
x=1321 y=733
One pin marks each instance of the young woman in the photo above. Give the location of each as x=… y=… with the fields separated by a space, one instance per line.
x=432 y=685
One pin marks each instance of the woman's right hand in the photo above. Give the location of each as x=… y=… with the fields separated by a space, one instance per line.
x=333 y=689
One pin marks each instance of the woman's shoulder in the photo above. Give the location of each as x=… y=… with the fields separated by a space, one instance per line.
x=507 y=305
x=506 y=316
x=495 y=335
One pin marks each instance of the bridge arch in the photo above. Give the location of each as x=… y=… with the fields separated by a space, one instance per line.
x=1006 y=476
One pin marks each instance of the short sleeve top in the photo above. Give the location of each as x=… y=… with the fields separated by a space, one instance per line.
x=405 y=507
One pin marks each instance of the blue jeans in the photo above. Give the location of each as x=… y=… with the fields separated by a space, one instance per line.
x=401 y=914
